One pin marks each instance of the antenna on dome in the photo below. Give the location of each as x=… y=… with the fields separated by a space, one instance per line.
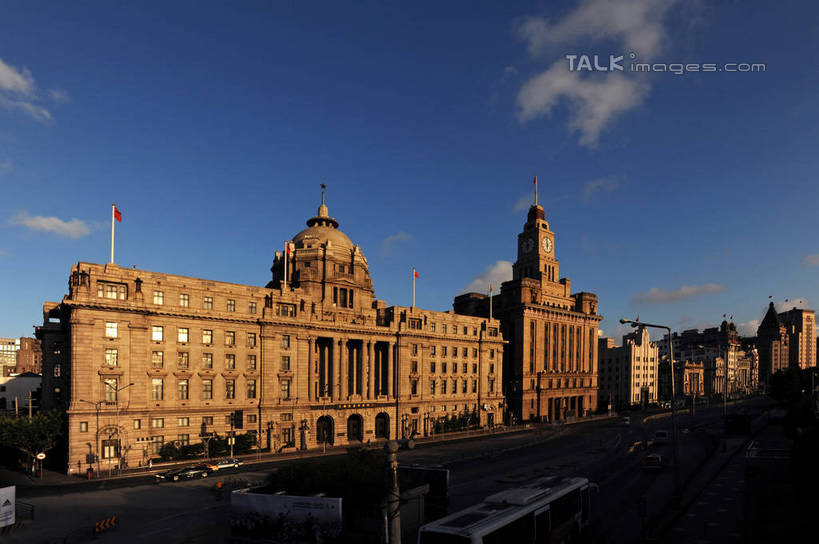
x=323 y=187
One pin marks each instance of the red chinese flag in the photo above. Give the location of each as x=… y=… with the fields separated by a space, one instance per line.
x=287 y=247
x=490 y=289
x=117 y=214
x=415 y=273
x=534 y=182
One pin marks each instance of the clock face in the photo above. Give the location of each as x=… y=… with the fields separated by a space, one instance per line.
x=527 y=245
x=547 y=245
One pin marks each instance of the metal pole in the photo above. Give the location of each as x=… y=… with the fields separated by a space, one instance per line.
x=393 y=494
x=675 y=444
x=113 y=207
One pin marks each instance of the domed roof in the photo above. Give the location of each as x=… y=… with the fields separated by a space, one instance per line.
x=323 y=228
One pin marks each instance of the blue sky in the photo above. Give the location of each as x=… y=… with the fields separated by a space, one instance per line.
x=677 y=198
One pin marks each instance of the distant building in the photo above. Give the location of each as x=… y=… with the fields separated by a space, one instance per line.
x=550 y=364
x=20 y=355
x=628 y=375
x=800 y=325
x=16 y=392
x=773 y=344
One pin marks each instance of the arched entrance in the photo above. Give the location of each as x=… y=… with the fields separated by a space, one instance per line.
x=382 y=425
x=355 y=428
x=324 y=430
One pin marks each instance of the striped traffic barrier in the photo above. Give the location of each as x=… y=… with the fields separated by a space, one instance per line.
x=105 y=524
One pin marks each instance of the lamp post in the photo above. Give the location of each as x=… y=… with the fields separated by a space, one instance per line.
x=97 y=433
x=116 y=391
x=674 y=441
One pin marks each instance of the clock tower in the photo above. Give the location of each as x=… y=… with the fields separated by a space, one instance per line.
x=536 y=250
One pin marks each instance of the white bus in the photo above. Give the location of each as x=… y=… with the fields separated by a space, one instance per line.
x=544 y=511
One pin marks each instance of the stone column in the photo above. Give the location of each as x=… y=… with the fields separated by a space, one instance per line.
x=310 y=377
x=368 y=373
x=390 y=387
x=341 y=374
x=355 y=352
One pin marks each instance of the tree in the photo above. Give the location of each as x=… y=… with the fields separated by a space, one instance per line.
x=31 y=435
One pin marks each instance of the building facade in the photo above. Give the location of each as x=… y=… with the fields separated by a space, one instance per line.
x=773 y=345
x=800 y=326
x=140 y=358
x=628 y=374
x=20 y=355
x=550 y=364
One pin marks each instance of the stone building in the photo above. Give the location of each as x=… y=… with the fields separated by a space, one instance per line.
x=628 y=374
x=773 y=345
x=140 y=358
x=800 y=325
x=550 y=364
x=20 y=355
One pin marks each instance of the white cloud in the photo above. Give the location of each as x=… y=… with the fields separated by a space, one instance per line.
x=638 y=24
x=391 y=240
x=811 y=260
x=656 y=294
x=748 y=328
x=5 y=166
x=18 y=93
x=635 y=26
x=594 y=101
x=15 y=81
x=494 y=275
x=598 y=185
x=58 y=96
x=525 y=202
x=75 y=228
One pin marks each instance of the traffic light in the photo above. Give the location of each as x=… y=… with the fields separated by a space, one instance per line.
x=238 y=419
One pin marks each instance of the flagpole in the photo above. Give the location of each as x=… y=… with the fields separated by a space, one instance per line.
x=286 y=254
x=490 y=302
x=413 y=288
x=535 y=190
x=113 y=207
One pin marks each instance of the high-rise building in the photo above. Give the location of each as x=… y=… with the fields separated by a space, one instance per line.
x=773 y=345
x=20 y=355
x=141 y=359
x=800 y=325
x=628 y=374
x=550 y=364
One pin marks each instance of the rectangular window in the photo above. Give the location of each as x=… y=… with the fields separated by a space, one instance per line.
x=230 y=361
x=443 y=328
x=432 y=327
x=415 y=323
x=252 y=418
x=156 y=444
x=491 y=386
x=183 y=421
x=184 y=300
x=454 y=351
x=475 y=352
x=414 y=367
x=157 y=359
x=432 y=387
x=491 y=353
x=492 y=368
x=207 y=360
x=493 y=331
x=83 y=426
x=184 y=439
x=474 y=386
x=432 y=350
x=464 y=352
x=286 y=389
x=474 y=368
x=230 y=389
x=110 y=449
x=111 y=329
x=57 y=370
x=251 y=389
x=207 y=303
x=286 y=310
x=207 y=336
x=157 y=389
x=474 y=331
x=413 y=387
x=432 y=367
x=157 y=423
x=137 y=424
x=183 y=360
x=251 y=362
x=251 y=307
x=159 y=297
x=251 y=339
x=207 y=390
x=285 y=341
x=285 y=362
x=111 y=357
x=443 y=387
x=183 y=389
x=443 y=351
x=182 y=334
x=463 y=386
x=157 y=333
x=110 y=386
x=443 y=368
x=230 y=338
x=207 y=420
x=231 y=305
x=466 y=330
x=415 y=349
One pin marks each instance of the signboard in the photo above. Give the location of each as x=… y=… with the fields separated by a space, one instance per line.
x=325 y=510
x=7 y=505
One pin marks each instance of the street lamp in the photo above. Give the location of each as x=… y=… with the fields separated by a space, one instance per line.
x=674 y=444
x=116 y=391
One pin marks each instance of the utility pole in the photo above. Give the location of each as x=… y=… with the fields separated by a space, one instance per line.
x=29 y=405
x=393 y=494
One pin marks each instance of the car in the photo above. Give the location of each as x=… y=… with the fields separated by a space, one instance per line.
x=652 y=461
x=198 y=471
x=227 y=462
x=625 y=421
x=662 y=436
